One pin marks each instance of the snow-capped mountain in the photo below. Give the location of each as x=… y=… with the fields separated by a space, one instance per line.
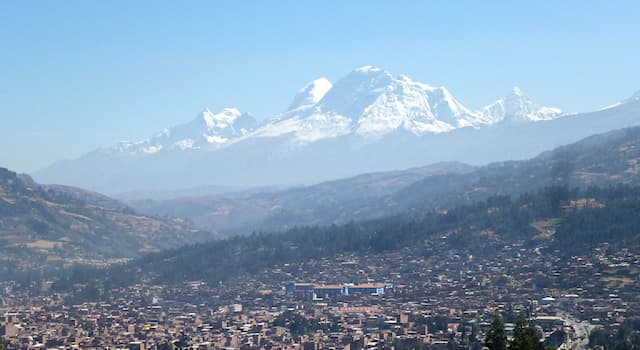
x=207 y=131
x=376 y=103
x=370 y=102
x=518 y=107
x=369 y=120
x=310 y=94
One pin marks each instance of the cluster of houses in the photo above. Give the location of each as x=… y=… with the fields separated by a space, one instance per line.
x=410 y=298
x=315 y=291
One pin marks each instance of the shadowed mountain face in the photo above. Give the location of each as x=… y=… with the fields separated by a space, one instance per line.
x=598 y=160
x=40 y=224
x=361 y=197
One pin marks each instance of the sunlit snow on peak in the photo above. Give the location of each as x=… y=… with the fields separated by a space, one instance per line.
x=317 y=89
x=517 y=91
x=368 y=102
x=518 y=107
x=221 y=120
x=310 y=94
x=368 y=69
x=207 y=130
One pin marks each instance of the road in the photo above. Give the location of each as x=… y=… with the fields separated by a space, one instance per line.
x=582 y=330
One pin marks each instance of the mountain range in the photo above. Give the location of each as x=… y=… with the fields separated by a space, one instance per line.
x=575 y=201
x=599 y=160
x=369 y=120
x=54 y=225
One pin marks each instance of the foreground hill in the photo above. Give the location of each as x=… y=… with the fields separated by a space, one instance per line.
x=42 y=225
x=601 y=160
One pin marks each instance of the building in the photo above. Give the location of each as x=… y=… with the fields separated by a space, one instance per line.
x=369 y=288
x=312 y=291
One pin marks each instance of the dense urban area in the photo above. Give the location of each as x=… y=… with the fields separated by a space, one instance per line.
x=417 y=297
x=543 y=262
x=319 y=175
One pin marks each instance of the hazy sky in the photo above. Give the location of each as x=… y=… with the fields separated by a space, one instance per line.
x=76 y=75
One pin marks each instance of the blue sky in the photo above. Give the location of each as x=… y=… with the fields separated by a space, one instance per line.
x=76 y=75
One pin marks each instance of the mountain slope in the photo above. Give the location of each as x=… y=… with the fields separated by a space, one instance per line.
x=308 y=96
x=62 y=224
x=474 y=232
x=332 y=202
x=518 y=107
x=598 y=160
x=207 y=131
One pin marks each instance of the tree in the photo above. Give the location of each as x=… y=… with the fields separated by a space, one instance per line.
x=556 y=338
x=163 y=346
x=496 y=336
x=183 y=341
x=524 y=337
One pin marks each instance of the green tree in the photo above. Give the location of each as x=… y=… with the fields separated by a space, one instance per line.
x=555 y=339
x=163 y=346
x=496 y=336
x=183 y=341
x=524 y=337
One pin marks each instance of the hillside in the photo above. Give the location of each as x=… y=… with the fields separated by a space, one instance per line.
x=597 y=160
x=361 y=197
x=554 y=221
x=53 y=225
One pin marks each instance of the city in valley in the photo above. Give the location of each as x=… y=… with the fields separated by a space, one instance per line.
x=414 y=298
x=319 y=175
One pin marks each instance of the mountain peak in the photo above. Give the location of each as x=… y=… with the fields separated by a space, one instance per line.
x=368 y=69
x=321 y=83
x=518 y=107
x=221 y=120
x=206 y=130
x=516 y=91
x=310 y=94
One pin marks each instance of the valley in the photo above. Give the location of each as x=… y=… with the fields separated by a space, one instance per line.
x=445 y=247
x=327 y=175
x=600 y=160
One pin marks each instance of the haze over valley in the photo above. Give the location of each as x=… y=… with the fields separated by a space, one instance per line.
x=360 y=175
